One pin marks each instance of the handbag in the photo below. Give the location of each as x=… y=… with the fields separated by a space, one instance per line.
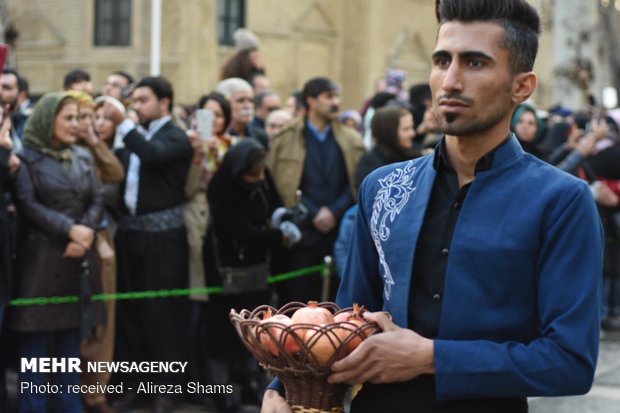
x=250 y=278
x=241 y=279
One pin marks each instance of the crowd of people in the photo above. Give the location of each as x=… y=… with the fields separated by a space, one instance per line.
x=116 y=190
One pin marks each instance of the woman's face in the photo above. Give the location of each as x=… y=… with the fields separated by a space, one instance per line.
x=104 y=127
x=66 y=125
x=526 y=126
x=255 y=176
x=219 y=122
x=406 y=131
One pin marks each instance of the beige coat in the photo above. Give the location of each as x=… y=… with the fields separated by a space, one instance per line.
x=287 y=154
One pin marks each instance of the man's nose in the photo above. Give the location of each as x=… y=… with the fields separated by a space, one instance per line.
x=452 y=80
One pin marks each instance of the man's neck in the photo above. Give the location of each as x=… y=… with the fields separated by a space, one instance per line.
x=464 y=152
x=319 y=122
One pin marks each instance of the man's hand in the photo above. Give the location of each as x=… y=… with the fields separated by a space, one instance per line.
x=397 y=354
x=14 y=163
x=113 y=113
x=196 y=143
x=82 y=235
x=605 y=196
x=324 y=220
x=274 y=403
x=5 y=133
x=74 y=250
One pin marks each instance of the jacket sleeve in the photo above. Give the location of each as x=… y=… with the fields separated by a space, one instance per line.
x=92 y=216
x=562 y=359
x=341 y=203
x=169 y=146
x=108 y=164
x=53 y=222
x=5 y=154
x=361 y=280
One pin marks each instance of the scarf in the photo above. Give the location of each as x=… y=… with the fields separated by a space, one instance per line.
x=39 y=129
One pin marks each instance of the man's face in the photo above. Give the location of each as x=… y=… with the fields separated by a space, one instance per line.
x=85 y=86
x=242 y=106
x=326 y=105
x=85 y=121
x=113 y=86
x=470 y=78
x=147 y=106
x=270 y=103
x=8 y=90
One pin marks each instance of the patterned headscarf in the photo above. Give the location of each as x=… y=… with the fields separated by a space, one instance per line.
x=39 y=129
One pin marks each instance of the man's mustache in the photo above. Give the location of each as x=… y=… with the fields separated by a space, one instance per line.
x=455 y=98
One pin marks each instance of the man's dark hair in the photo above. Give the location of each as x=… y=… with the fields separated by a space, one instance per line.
x=518 y=18
x=221 y=100
x=419 y=93
x=126 y=75
x=299 y=100
x=75 y=76
x=315 y=86
x=160 y=86
x=258 y=99
x=22 y=83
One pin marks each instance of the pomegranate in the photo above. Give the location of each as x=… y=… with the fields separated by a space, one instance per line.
x=277 y=329
x=322 y=344
x=356 y=312
x=355 y=321
x=312 y=314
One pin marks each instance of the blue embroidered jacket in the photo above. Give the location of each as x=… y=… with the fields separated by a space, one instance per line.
x=521 y=305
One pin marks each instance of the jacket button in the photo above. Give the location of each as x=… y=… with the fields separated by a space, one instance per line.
x=445 y=252
x=436 y=297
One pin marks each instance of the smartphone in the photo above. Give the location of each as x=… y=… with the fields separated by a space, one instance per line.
x=204 y=119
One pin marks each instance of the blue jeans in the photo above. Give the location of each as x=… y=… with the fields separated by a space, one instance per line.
x=66 y=344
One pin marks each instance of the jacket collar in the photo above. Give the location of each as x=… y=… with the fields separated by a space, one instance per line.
x=508 y=149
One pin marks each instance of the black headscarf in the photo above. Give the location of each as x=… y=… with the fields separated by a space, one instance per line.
x=384 y=126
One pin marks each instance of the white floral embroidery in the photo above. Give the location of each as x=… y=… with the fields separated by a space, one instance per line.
x=389 y=201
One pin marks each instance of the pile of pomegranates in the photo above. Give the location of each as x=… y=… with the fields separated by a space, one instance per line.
x=313 y=333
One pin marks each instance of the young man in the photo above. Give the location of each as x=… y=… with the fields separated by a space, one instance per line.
x=151 y=241
x=488 y=260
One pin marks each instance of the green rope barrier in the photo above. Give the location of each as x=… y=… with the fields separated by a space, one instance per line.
x=176 y=292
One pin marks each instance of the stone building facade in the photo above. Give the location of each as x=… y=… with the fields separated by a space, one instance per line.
x=352 y=41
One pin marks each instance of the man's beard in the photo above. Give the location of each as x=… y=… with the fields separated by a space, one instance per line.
x=448 y=123
x=12 y=105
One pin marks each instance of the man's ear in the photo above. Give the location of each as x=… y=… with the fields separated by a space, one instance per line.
x=523 y=85
x=164 y=103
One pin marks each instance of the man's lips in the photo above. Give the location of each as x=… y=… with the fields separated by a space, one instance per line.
x=451 y=105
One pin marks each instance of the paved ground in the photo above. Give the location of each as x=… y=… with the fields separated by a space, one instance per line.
x=605 y=394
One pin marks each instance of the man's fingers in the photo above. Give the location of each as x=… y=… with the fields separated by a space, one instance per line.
x=382 y=318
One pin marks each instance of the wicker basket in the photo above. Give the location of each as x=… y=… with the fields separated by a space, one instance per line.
x=304 y=373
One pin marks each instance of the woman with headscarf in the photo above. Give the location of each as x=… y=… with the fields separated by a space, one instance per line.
x=242 y=198
x=59 y=207
x=393 y=131
x=529 y=129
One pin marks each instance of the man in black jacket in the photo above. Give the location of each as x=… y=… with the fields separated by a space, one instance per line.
x=151 y=242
